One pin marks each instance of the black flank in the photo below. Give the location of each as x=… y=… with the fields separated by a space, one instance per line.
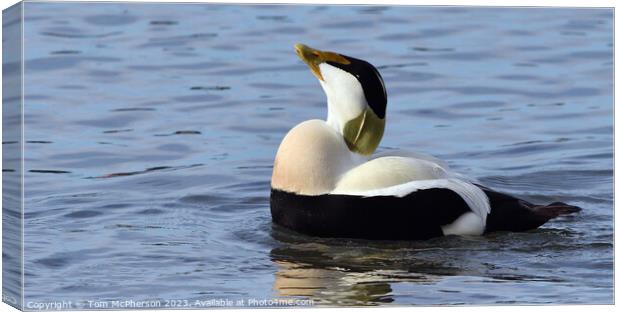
x=418 y=215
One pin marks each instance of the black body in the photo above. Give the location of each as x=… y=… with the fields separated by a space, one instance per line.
x=416 y=216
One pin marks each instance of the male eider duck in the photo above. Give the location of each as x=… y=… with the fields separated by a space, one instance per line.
x=327 y=182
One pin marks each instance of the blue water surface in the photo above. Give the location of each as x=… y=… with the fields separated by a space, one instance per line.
x=151 y=131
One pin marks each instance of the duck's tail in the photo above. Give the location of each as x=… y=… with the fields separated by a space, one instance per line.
x=512 y=214
x=554 y=210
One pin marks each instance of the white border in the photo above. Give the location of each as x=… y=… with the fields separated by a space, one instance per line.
x=23 y=146
x=492 y=3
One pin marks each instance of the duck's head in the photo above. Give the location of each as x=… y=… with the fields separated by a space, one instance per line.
x=356 y=96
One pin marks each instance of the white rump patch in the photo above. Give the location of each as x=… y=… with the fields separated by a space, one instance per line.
x=467 y=224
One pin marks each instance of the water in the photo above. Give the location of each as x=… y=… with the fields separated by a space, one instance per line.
x=151 y=131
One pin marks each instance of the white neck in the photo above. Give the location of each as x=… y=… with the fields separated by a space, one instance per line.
x=345 y=96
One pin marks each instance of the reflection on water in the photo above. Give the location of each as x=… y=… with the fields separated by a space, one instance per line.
x=332 y=286
x=151 y=131
x=358 y=272
x=354 y=274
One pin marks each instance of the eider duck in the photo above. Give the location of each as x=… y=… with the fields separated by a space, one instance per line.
x=327 y=182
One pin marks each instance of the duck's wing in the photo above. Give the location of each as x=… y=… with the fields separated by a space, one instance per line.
x=413 y=210
x=397 y=176
x=474 y=197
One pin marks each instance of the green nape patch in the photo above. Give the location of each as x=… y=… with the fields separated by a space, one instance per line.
x=363 y=133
